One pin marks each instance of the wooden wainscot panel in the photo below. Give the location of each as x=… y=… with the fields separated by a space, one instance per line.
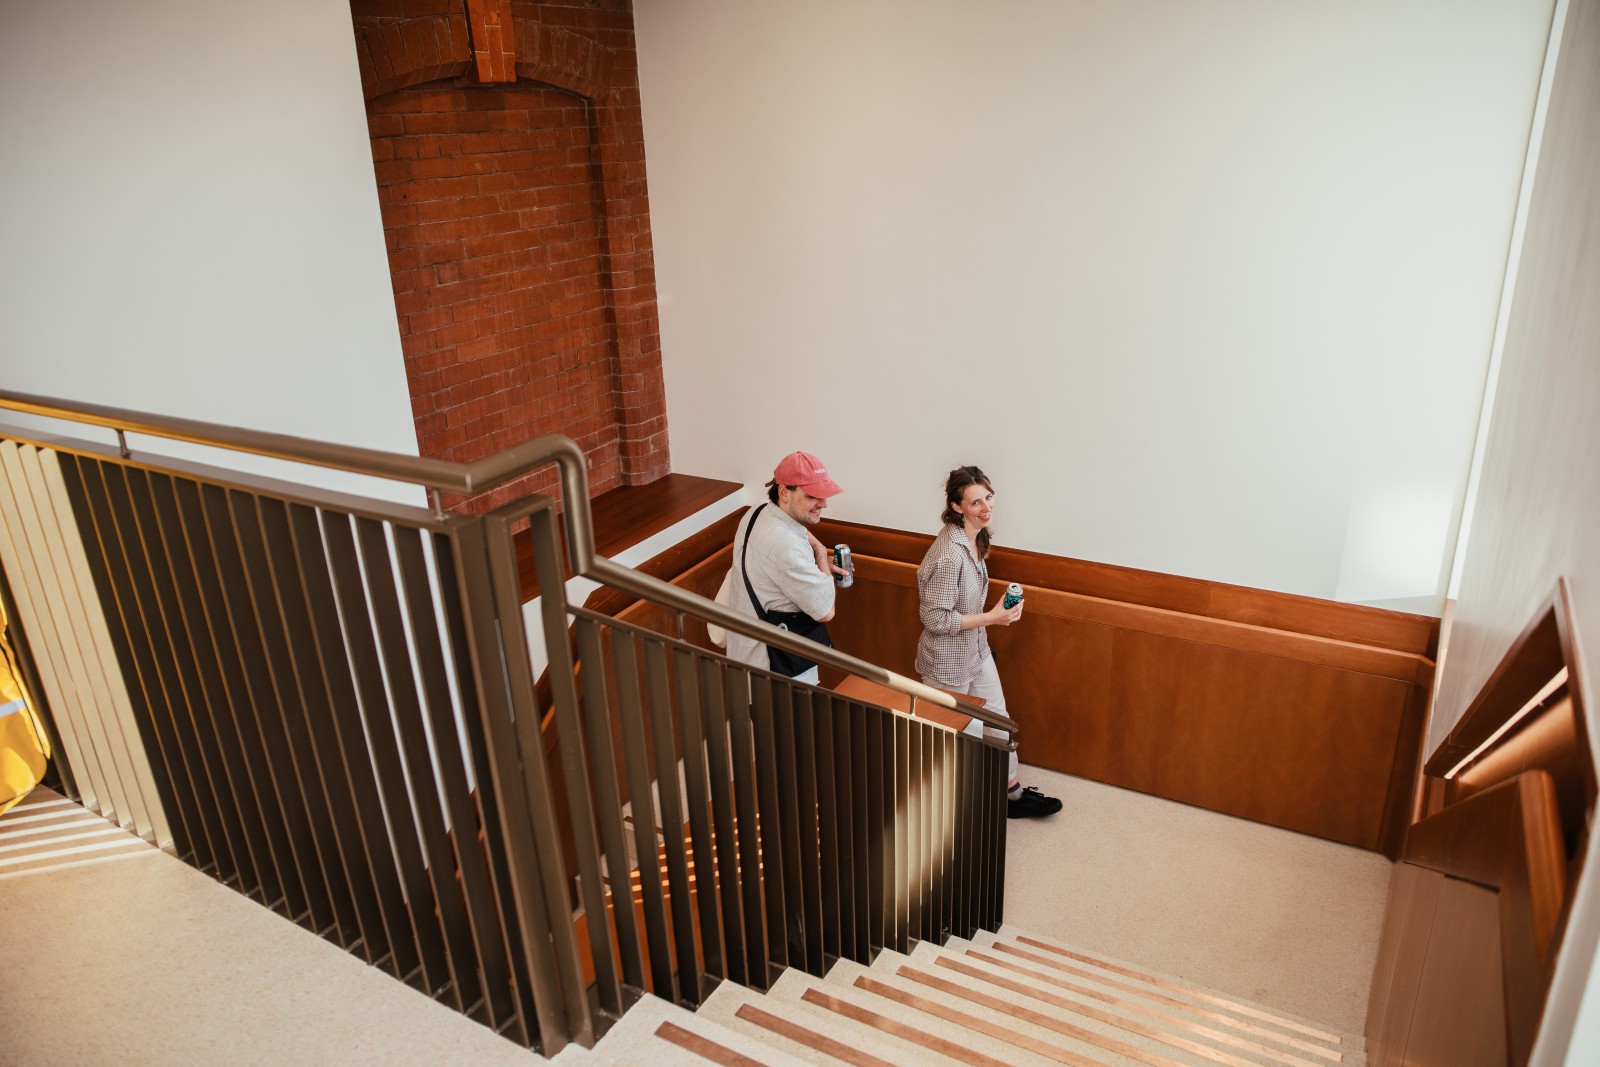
x=1458 y=1015
x=1284 y=728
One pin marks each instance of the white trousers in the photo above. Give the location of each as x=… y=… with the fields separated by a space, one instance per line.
x=985 y=685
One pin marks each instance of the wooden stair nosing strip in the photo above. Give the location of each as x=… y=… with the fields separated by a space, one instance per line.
x=1132 y=1026
x=1167 y=1018
x=809 y=1038
x=982 y=1026
x=1232 y=1005
x=1037 y=1018
x=896 y=1028
x=1172 y=1002
x=704 y=1046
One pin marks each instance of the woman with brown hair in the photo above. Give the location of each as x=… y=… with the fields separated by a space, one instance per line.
x=953 y=652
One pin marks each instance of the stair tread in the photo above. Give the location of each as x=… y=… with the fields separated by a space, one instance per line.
x=1035 y=985
x=638 y=1038
x=1082 y=980
x=1051 y=1015
x=838 y=985
x=728 y=1001
x=1188 y=989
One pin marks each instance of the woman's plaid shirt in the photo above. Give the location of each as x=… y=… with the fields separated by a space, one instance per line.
x=951 y=582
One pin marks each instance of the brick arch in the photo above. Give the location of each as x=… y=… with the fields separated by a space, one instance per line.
x=561 y=58
x=397 y=55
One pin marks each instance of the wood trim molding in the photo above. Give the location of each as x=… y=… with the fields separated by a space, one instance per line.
x=1545 y=645
x=1379 y=627
x=1245 y=637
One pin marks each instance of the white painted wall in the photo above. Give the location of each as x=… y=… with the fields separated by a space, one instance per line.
x=1207 y=288
x=191 y=225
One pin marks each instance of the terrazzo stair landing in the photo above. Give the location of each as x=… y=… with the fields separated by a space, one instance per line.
x=1008 y=999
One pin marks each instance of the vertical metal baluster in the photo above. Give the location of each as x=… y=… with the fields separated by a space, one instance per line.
x=387 y=919
x=830 y=831
x=694 y=773
x=460 y=889
x=774 y=861
x=86 y=488
x=550 y=999
x=625 y=653
x=724 y=833
x=810 y=843
x=930 y=855
x=946 y=837
x=860 y=823
x=15 y=560
x=99 y=692
x=306 y=892
x=484 y=869
x=960 y=924
x=1000 y=832
x=878 y=778
x=218 y=621
x=28 y=549
x=537 y=792
x=986 y=767
x=608 y=801
x=743 y=769
x=902 y=834
x=796 y=914
x=672 y=821
x=976 y=814
x=569 y=733
x=916 y=815
x=376 y=744
x=425 y=861
x=202 y=761
x=294 y=716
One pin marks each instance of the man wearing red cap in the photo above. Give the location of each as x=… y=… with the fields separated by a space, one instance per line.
x=781 y=572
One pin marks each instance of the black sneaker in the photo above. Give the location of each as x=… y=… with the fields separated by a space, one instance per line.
x=1031 y=804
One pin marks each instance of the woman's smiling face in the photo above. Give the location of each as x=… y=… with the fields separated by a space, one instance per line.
x=977 y=505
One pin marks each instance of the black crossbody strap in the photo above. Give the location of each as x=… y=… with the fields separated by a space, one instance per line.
x=744 y=570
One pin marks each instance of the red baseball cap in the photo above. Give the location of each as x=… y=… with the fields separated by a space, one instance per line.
x=806 y=471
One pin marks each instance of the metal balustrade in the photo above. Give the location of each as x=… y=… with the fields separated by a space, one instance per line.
x=327 y=702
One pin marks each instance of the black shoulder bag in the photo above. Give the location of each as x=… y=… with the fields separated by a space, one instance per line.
x=788 y=664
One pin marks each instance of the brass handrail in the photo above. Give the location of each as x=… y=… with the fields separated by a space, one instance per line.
x=479 y=476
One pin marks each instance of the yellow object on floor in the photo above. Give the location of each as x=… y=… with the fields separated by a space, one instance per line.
x=23 y=747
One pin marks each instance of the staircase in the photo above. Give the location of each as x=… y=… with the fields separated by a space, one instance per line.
x=274 y=669
x=1000 y=999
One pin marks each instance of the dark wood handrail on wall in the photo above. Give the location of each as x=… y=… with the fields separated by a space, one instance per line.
x=1480 y=900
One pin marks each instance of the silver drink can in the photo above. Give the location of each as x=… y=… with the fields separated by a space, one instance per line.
x=842 y=560
x=1013 y=596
